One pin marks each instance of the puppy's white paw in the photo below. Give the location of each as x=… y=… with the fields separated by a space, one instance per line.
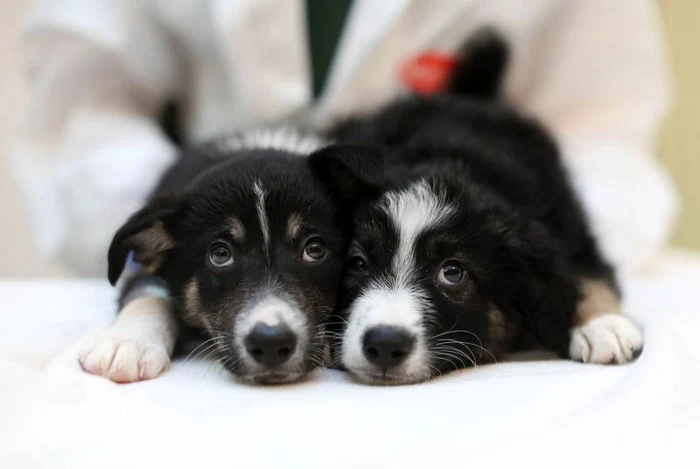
x=121 y=357
x=610 y=338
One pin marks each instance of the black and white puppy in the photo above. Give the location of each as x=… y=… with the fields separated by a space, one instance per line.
x=241 y=243
x=476 y=246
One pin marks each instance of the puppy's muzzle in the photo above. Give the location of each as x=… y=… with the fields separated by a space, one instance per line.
x=270 y=345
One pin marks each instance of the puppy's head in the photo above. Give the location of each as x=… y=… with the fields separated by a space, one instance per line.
x=431 y=281
x=252 y=253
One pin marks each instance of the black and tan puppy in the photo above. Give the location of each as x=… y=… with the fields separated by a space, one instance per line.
x=241 y=243
x=477 y=244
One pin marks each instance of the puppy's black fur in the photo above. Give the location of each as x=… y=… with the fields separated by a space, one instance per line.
x=513 y=236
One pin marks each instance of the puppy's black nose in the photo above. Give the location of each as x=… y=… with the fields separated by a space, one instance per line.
x=387 y=346
x=270 y=345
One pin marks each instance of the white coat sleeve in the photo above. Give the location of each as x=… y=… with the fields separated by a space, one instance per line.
x=600 y=82
x=89 y=148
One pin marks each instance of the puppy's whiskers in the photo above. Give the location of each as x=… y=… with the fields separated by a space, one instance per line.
x=447 y=354
x=455 y=344
x=479 y=345
x=456 y=331
x=205 y=346
x=435 y=370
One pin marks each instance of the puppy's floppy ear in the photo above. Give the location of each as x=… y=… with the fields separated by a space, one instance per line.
x=351 y=171
x=145 y=234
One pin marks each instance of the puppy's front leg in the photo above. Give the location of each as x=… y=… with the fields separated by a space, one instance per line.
x=139 y=344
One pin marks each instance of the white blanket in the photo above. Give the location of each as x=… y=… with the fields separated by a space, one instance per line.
x=546 y=413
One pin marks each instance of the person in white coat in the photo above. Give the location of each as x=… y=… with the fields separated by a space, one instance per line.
x=101 y=72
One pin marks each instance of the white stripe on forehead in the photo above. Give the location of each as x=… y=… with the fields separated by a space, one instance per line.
x=262 y=217
x=413 y=211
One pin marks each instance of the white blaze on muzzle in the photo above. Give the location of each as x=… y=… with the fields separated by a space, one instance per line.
x=402 y=308
x=272 y=311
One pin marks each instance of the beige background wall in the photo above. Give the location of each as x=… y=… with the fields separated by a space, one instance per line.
x=679 y=148
x=680 y=144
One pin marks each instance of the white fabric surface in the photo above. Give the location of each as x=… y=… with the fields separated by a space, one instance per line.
x=545 y=413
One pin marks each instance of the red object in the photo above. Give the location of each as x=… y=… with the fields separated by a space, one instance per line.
x=428 y=73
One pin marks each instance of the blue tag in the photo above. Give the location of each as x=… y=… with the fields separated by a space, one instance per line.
x=131 y=264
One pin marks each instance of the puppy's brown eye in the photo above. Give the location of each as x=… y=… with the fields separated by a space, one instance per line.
x=451 y=273
x=220 y=255
x=314 y=250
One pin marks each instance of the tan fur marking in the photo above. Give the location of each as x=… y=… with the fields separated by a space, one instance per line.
x=237 y=229
x=151 y=242
x=598 y=299
x=154 y=264
x=498 y=331
x=192 y=305
x=293 y=226
x=194 y=316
